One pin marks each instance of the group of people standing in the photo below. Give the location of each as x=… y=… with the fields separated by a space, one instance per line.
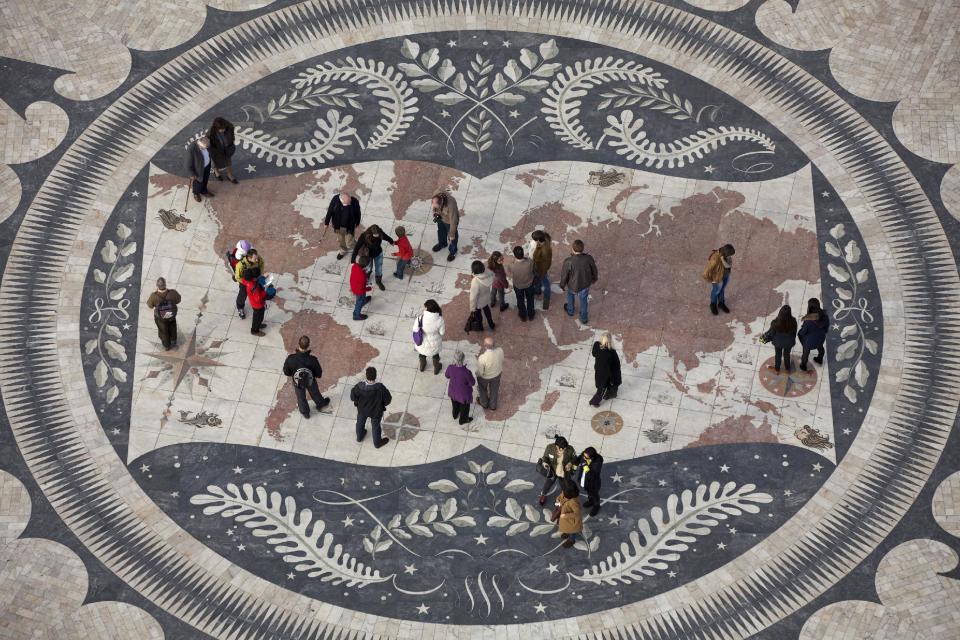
x=575 y=474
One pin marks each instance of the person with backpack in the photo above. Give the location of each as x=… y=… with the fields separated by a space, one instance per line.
x=479 y=298
x=717 y=273
x=371 y=399
x=258 y=300
x=813 y=332
x=359 y=287
x=370 y=244
x=344 y=214
x=428 y=331
x=542 y=259
x=304 y=372
x=783 y=335
x=249 y=261
x=164 y=303
x=578 y=274
x=404 y=253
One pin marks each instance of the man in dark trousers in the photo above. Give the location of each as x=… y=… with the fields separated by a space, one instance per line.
x=198 y=167
x=304 y=372
x=164 y=303
x=579 y=272
x=371 y=399
x=344 y=214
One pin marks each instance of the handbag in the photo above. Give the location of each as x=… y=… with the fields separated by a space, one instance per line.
x=555 y=516
x=474 y=323
x=418 y=334
x=545 y=471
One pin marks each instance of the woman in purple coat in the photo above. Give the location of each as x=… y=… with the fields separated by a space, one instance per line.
x=460 y=388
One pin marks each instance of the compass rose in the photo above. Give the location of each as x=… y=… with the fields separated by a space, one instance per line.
x=184 y=359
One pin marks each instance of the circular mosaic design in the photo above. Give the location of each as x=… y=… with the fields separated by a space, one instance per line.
x=607 y=423
x=193 y=572
x=401 y=426
x=420 y=263
x=789 y=384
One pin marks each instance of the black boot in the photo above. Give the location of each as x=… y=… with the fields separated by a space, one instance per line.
x=436 y=364
x=713 y=308
x=723 y=307
x=423 y=362
x=380 y=283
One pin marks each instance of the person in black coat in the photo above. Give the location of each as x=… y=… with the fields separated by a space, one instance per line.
x=591 y=464
x=344 y=214
x=370 y=244
x=197 y=166
x=606 y=370
x=304 y=371
x=371 y=399
x=783 y=335
x=222 y=146
x=813 y=332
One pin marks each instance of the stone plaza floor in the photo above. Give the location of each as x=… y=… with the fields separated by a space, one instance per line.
x=179 y=493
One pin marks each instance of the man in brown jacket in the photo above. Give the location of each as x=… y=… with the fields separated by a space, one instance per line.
x=523 y=276
x=447 y=216
x=164 y=303
x=717 y=273
x=542 y=259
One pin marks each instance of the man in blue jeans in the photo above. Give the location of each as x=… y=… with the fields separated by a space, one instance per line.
x=579 y=272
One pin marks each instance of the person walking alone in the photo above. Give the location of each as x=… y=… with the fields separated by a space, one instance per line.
x=578 y=274
x=222 y=147
x=813 y=332
x=606 y=370
x=522 y=274
x=460 y=389
x=783 y=335
x=717 y=273
x=198 y=168
x=500 y=284
x=304 y=372
x=480 y=288
x=447 y=216
x=591 y=464
x=404 y=253
x=370 y=244
x=542 y=259
x=371 y=399
x=489 y=370
x=164 y=303
x=430 y=323
x=343 y=213
x=358 y=286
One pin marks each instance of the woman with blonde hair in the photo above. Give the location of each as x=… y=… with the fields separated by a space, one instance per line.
x=606 y=370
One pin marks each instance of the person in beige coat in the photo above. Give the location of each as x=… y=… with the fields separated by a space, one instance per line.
x=571 y=515
x=489 y=370
x=447 y=216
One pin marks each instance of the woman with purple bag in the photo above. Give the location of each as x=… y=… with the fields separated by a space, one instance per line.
x=428 y=331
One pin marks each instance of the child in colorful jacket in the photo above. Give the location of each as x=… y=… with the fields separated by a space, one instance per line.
x=404 y=253
x=359 y=286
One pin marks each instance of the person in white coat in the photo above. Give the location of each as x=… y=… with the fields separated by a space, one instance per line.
x=480 y=298
x=431 y=322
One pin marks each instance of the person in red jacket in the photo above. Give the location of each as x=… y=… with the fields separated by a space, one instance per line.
x=359 y=286
x=257 y=296
x=404 y=253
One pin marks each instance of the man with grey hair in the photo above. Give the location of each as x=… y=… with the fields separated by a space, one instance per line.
x=489 y=370
x=198 y=167
x=344 y=214
x=164 y=303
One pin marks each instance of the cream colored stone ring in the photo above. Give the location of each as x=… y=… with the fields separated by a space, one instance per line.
x=70 y=457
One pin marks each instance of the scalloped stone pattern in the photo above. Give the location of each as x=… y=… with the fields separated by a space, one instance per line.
x=181 y=494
